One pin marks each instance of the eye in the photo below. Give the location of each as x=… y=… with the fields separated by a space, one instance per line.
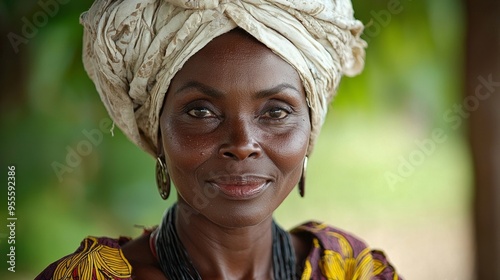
x=201 y=112
x=276 y=113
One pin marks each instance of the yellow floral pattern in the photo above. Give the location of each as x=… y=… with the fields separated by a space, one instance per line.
x=336 y=255
x=94 y=262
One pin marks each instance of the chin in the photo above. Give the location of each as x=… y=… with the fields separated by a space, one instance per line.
x=241 y=217
x=237 y=214
x=229 y=212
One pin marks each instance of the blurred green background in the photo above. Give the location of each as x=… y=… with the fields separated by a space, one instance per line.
x=378 y=121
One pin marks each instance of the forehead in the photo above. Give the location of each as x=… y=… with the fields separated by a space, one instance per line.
x=237 y=59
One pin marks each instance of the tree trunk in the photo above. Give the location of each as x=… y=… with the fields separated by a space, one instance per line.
x=483 y=101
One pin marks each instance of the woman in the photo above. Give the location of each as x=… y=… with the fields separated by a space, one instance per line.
x=229 y=97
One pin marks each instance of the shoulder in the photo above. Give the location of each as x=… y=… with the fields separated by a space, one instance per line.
x=338 y=254
x=96 y=258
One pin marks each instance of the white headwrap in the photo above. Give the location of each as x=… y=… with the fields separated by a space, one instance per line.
x=133 y=49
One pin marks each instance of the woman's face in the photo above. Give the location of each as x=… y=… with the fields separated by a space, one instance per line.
x=235 y=129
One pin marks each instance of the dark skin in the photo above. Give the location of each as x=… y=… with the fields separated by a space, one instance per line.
x=234 y=131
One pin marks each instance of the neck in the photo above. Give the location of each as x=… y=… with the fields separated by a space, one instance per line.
x=219 y=252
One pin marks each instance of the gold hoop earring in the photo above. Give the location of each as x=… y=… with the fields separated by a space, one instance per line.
x=302 y=182
x=162 y=179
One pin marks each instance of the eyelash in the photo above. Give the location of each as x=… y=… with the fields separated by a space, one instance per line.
x=273 y=110
x=192 y=112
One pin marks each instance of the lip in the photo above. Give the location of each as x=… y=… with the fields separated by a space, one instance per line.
x=240 y=187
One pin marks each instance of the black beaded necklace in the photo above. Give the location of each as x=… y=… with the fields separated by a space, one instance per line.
x=176 y=264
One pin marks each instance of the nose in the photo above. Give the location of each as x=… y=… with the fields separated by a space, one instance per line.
x=240 y=142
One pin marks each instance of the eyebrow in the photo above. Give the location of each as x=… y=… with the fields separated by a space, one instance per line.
x=277 y=89
x=212 y=92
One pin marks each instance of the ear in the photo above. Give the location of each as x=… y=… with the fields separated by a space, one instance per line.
x=159 y=144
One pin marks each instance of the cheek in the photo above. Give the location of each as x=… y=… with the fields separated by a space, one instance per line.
x=288 y=151
x=184 y=152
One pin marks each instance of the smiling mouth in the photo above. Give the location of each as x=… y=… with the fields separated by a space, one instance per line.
x=240 y=187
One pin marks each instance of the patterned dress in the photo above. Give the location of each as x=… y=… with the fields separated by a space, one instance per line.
x=335 y=255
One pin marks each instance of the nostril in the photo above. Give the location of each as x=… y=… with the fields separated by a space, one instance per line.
x=253 y=155
x=239 y=152
x=229 y=155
